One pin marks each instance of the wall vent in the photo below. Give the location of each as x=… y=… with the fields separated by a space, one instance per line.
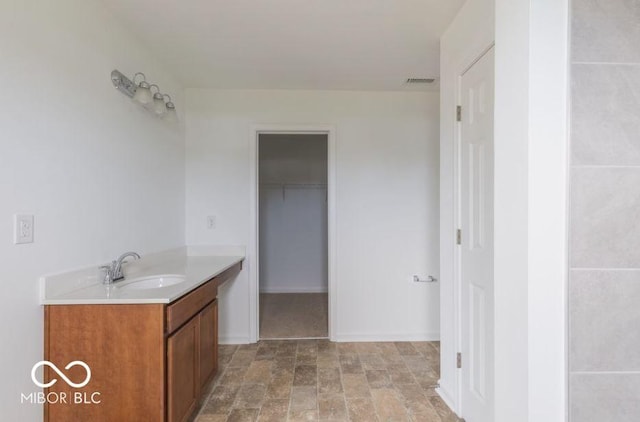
x=420 y=80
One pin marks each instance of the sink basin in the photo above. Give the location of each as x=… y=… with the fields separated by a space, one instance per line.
x=153 y=282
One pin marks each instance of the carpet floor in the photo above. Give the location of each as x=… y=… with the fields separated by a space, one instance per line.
x=293 y=315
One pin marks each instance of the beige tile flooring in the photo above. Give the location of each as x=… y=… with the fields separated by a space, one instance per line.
x=308 y=380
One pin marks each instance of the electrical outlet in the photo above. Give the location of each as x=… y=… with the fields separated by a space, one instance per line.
x=23 y=229
x=211 y=222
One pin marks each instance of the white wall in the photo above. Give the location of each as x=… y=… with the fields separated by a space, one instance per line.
x=530 y=203
x=469 y=35
x=547 y=209
x=100 y=174
x=531 y=220
x=293 y=213
x=293 y=240
x=386 y=199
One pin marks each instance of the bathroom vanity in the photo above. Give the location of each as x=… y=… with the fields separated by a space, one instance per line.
x=151 y=347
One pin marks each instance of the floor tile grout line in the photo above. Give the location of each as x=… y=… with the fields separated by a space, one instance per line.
x=344 y=393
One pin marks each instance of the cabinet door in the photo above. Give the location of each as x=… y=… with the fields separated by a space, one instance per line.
x=208 y=342
x=182 y=371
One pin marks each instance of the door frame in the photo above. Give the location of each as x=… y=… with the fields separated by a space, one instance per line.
x=457 y=204
x=254 y=237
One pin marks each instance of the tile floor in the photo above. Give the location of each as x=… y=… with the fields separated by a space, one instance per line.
x=310 y=380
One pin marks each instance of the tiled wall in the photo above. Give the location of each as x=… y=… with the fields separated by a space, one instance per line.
x=604 y=287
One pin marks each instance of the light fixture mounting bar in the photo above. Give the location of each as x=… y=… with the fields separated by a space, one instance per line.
x=122 y=83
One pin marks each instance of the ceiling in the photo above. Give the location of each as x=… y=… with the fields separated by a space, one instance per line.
x=292 y=44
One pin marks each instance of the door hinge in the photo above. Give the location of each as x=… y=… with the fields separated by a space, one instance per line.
x=458 y=113
x=459 y=360
x=459 y=237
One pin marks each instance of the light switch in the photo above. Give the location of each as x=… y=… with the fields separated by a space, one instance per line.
x=23 y=229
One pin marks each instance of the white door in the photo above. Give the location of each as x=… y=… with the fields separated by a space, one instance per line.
x=476 y=250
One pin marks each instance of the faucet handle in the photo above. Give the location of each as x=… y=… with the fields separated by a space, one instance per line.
x=106 y=274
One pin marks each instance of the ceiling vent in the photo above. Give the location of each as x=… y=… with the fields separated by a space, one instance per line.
x=420 y=80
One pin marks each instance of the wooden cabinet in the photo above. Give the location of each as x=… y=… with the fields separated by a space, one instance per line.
x=149 y=362
x=192 y=359
x=124 y=345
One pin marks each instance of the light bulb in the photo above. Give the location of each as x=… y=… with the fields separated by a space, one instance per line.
x=159 y=106
x=143 y=93
x=171 y=116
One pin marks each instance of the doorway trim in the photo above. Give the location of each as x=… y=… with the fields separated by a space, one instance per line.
x=253 y=249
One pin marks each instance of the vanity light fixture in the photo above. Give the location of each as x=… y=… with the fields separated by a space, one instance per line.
x=141 y=93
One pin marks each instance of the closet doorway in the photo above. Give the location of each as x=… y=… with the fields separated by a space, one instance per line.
x=293 y=235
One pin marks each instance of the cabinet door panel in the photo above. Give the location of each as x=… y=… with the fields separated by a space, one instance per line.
x=208 y=342
x=182 y=371
x=124 y=346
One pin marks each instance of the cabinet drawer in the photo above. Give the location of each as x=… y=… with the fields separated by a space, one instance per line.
x=228 y=274
x=189 y=305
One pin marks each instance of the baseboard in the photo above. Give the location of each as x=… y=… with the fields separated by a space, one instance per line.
x=233 y=340
x=344 y=338
x=295 y=290
x=351 y=338
x=446 y=397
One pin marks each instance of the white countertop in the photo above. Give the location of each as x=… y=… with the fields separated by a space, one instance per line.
x=82 y=286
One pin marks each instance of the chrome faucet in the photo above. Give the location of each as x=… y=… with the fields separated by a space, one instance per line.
x=113 y=272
